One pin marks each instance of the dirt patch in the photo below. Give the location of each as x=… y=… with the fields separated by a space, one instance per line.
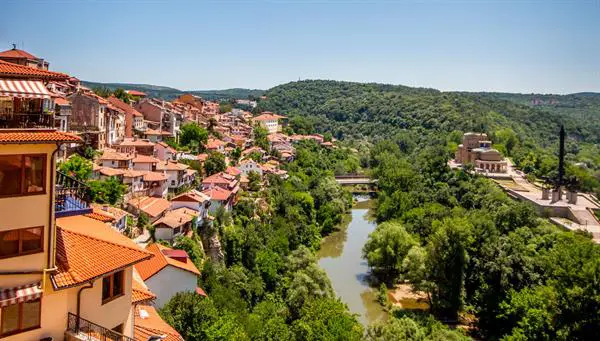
x=403 y=296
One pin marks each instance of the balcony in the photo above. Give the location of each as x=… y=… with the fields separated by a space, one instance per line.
x=80 y=329
x=27 y=120
x=71 y=196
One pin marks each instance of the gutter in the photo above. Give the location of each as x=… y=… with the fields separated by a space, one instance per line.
x=50 y=266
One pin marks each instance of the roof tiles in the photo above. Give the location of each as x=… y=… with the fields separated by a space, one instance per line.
x=17 y=136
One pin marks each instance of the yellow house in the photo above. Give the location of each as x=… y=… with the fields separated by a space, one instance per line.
x=63 y=276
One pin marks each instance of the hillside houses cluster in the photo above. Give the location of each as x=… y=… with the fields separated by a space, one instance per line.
x=51 y=115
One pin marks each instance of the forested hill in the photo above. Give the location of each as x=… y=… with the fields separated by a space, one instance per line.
x=350 y=109
x=168 y=93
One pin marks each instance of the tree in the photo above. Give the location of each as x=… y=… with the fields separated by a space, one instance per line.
x=225 y=107
x=327 y=318
x=254 y=181
x=268 y=322
x=260 y=134
x=109 y=191
x=143 y=221
x=122 y=95
x=192 y=247
x=77 y=167
x=193 y=136
x=215 y=163
x=386 y=249
x=415 y=328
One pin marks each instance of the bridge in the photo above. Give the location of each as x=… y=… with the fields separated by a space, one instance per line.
x=355 y=179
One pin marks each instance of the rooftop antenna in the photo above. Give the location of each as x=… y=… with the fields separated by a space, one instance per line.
x=14 y=46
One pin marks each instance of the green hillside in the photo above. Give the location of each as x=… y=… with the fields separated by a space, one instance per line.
x=168 y=93
x=421 y=117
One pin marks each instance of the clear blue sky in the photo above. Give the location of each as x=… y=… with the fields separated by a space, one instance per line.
x=543 y=46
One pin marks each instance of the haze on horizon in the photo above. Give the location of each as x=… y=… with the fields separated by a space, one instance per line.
x=530 y=46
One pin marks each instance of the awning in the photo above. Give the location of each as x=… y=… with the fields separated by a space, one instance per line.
x=20 y=294
x=23 y=88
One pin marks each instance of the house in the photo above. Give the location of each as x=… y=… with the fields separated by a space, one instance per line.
x=151 y=206
x=149 y=324
x=134 y=180
x=93 y=113
x=215 y=145
x=168 y=272
x=66 y=275
x=118 y=217
x=135 y=145
x=219 y=197
x=249 y=165
x=62 y=111
x=20 y=57
x=223 y=180
x=165 y=152
x=156 y=110
x=192 y=199
x=145 y=163
x=176 y=172
x=175 y=223
x=134 y=120
x=156 y=184
x=269 y=121
x=112 y=159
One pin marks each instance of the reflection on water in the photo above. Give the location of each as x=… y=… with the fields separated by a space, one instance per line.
x=341 y=257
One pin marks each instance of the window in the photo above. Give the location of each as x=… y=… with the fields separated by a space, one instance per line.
x=21 y=242
x=22 y=175
x=112 y=286
x=20 y=317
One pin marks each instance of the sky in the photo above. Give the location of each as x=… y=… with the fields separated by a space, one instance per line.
x=541 y=46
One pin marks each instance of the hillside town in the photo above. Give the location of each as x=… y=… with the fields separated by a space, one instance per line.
x=82 y=266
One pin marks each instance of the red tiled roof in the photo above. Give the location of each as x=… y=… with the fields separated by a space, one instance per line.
x=145 y=159
x=21 y=71
x=16 y=136
x=61 y=101
x=100 y=217
x=218 y=193
x=192 y=195
x=267 y=116
x=148 y=323
x=136 y=93
x=232 y=171
x=150 y=267
x=16 y=53
x=150 y=205
x=155 y=176
x=139 y=291
x=87 y=249
x=124 y=106
x=177 y=217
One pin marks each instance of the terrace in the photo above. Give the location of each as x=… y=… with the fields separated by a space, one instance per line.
x=71 y=196
x=81 y=329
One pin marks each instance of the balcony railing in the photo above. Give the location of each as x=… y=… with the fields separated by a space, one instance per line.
x=71 y=196
x=85 y=330
x=27 y=120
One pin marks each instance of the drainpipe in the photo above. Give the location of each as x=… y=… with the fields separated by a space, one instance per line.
x=51 y=219
x=89 y=286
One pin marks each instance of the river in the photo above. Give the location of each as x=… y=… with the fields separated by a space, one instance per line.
x=341 y=257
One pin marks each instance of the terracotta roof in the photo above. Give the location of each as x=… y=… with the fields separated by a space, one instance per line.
x=218 y=193
x=171 y=149
x=61 y=101
x=109 y=211
x=152 y=132
x=171 y=165
x=150 y=267
x=136 y=143
x=267 y=116
x=155 y=176
x=219 y=178
x=139 y=291
x=148 y=323
x=193 y=195
x=150 y=205
x=145 y=159
x=177 y=217
x=87 y=249
x=232 y=171
x=107 y=171
x=100 y=217
x=21 y=71
x=202 y=157
x=130 y=173
x=214 y=144
x=110 y=155
x=18 y=136
x=136 y=93
x=124 y=106
x=16 y=53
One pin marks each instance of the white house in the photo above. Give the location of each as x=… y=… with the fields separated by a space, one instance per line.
x=175 y=223
x=269 y=121
x=145 y=163
x=219 y=197
x=167 y=273
x=249 y=165
x=175 y=171
x=194 y=200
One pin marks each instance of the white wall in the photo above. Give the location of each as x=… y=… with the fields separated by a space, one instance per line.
x=169 y=281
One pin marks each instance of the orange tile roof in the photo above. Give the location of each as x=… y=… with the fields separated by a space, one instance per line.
x=193 y=195
x=149 y=323
x=25 y=72
x=155 y=176
x=100 y=217
x=109 y=211
x=139 y=291
x=150 y=267
x=214 y=144
x=61 y=101
x=218 y=193
x=110 y=155
x=18 y=136
x=110 y=171
x=171 y=165
x=87 y=249
x=145 y=159
x=123 y=106
x=267 y=116
x=177 y=217
x=131 y=173
x=150 y=205
x=136 y=142
x=136 y=93
x=17 y=53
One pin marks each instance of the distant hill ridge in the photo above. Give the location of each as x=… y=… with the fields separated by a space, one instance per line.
x=169 y=93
